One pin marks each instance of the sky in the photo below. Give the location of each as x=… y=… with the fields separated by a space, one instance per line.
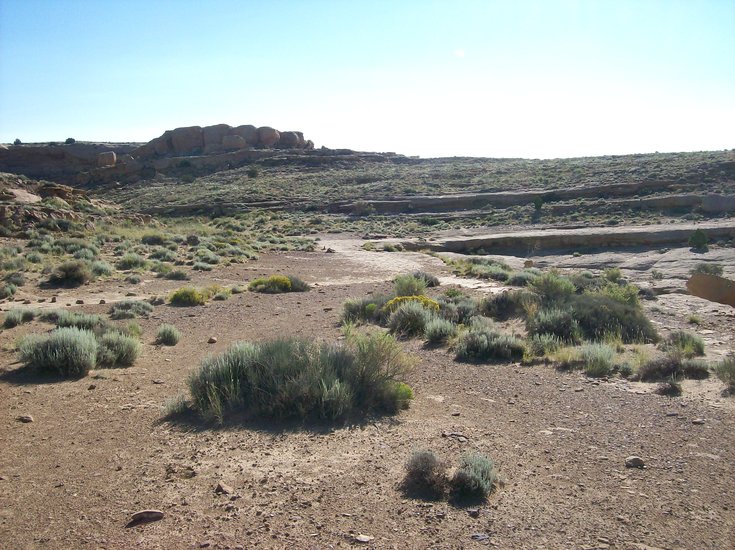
x=512 y=78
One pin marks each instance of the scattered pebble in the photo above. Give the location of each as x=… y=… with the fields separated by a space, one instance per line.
x=364 y=538
x=480 y=536
x=634 y=462
x=698 y=421
x=26 y=418
x=102 y=302
x=80 y=302
x=91 y=387
x=473 y=512
x=223 y=489
x=212 y=340
x=145 y=516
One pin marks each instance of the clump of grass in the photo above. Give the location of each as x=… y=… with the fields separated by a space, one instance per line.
x=439 y=331
x=425 y=475
x=131 y=260
x=15 y=317
x=694 y=320
x=201 y=266
x=187 y=296
x=670 y=388
x=457 y=309
x=408 y=285
x=168 y=335
x=84 y=321
x=540 y=345
x=71 y=274
x=522 y=278
x=476 y=477
x=133 y=279
x=430 y=280
x=289 y=378
x=553 y=288
x=101 y=268
x=130 y=309
x=117 y=350
x=707 y=269
x=484 y=344
x=556 y=322
x=7 y=291
x=176 y=275
x=70 y=352
x=276 y=284
x=409 y=319
x=16 y=278
x=673 y=365
x=506 y=305
x=153 y=239
x=687 y=344
x=365 y=310
x=725 y=371
x=162 y=254
x=598 y=315
x=598 y=360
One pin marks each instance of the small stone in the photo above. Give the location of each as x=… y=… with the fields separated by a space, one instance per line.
x=91 y=387
x=205 y=544
x=158 y=381
x=364 y=538
x=480 y=536
x=53 y=299
x=698 y=421
x=212 y=340
x=473 y=512
x=578 y=389
x=330 y=251
x=144 y=516
x=79 y=302
x=634 y=462
x=455 y=413
x=223 y=489
x=672 y=414
x=26 y=418
x=102 y=302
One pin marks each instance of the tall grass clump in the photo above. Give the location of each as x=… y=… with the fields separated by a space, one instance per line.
x=289 y=378
x=71 y=274
x=408 y=285
x=598 y=316
x=187 y=296
x=85 y=321
x=457 y=309
x=598 y=360
x=725 y=371
x=673 y=365
x=131 y=260
x=8 y=291
x=475 y=478
x=553 y=288
x=409 y=319
x=439 y=331
x=101 y=268
x=484 y=344
x=687 y=344
x=15 y=317
x=425 y=475
x=365 y=310
x=277 y=284
x=540 y=345
x=130 y=309
x=117 y=350
x=556 y=322
x=430 y=280
x=70 y=352
x=168 y=335
x=707 y=269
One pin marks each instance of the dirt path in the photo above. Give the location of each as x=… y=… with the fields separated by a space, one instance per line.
x=96 y=451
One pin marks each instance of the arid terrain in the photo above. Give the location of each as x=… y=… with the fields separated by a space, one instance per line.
x=81 y=455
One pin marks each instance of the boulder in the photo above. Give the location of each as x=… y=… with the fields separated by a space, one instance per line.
x=162 y=145
x=212 y=135
x=302 y=141
x=247 y=131
x=187 y=141
x=107 y=158
x=267 y=136
x=712 y=288
x=289 y=140
x=231 y=143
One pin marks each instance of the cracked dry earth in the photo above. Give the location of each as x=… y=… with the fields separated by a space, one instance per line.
x=96 y=451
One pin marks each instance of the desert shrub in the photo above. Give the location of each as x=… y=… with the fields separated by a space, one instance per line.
x=177 y=275
x=476 y=477
x=276 y=284
x=439 y=331
x=725 y=371
x=201 y=266
x=368 y=310
x=71 y=352
x=408 y=285
x=540 y=345
x=612 y=274
x=84 y=254
x=707 y=269
x=409 y=319
x=598 y=316
x=482 y=344
x=237 y=289
x=74 y=245
x=672 y=365
x=522 y=278
x=34 y=257
x=298 y=285
x=15 y=317
x=598 y=360
x=506 y=305
x=698 y=240
x=289 y=378
x=553 y=288
x=567 y=358
x=459 y=309
x=670 y=388
x=7 y=291
x=427 y=303
x=687 y=344
x=494 y=272
x=625 y=294
x=187 y=296
x=162 y=254
x=117 y=350
x=84 y=321
x=71 y=273
x=425 y=475
x=430 y=280
x=207 y=256
x=168 y=335
x=130 y=309
x=101 y=268
x=16 y=278
x=153 y=239
x=131 y=260
x=557 y=322
x=222 y=295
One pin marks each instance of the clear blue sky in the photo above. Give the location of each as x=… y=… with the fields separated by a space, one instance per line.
x=524 y=78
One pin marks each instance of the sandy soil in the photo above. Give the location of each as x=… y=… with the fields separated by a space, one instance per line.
x=96 y=451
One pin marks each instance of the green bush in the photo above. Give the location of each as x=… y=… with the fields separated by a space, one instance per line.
x=34 y=257
x=71 y=274
x=698 y=240
x=117 y=350
x=66 y=319
x=600 y=316
x=459 y=309
x=708 y=269
x=187 y=296
x=162 y=254
x=670 y=388
x=16 y=278
x=556 y=322
x=409 y=319
x=130 y=309
x=168 y=335
x=506 y=305
x=425 y=475
x=201 y=266
x=153 y=239
x=725 y=371
x=15 y=317
x=482 y=344
x=71 y=352
x=673 y=365
x=430 y=280
x=553 y=288
x=177 y=275
x=289 y=378
x=598 y=360
x=133 y=279
x=476 y=477
x=367 y=310
x=540 y=345
x=522 y=278
x=101 y=268
x=276 y=284
x=408 y=285
x=131 y=260
x=7 y=291
x=439 y=331
x=687 y=344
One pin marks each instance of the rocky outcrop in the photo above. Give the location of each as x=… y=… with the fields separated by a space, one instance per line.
x=232 y=143
x=267 y=136
x=108 y=158
x=247 y=132
x=712 y=288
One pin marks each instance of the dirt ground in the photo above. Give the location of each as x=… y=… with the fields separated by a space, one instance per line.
x=97 y=450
